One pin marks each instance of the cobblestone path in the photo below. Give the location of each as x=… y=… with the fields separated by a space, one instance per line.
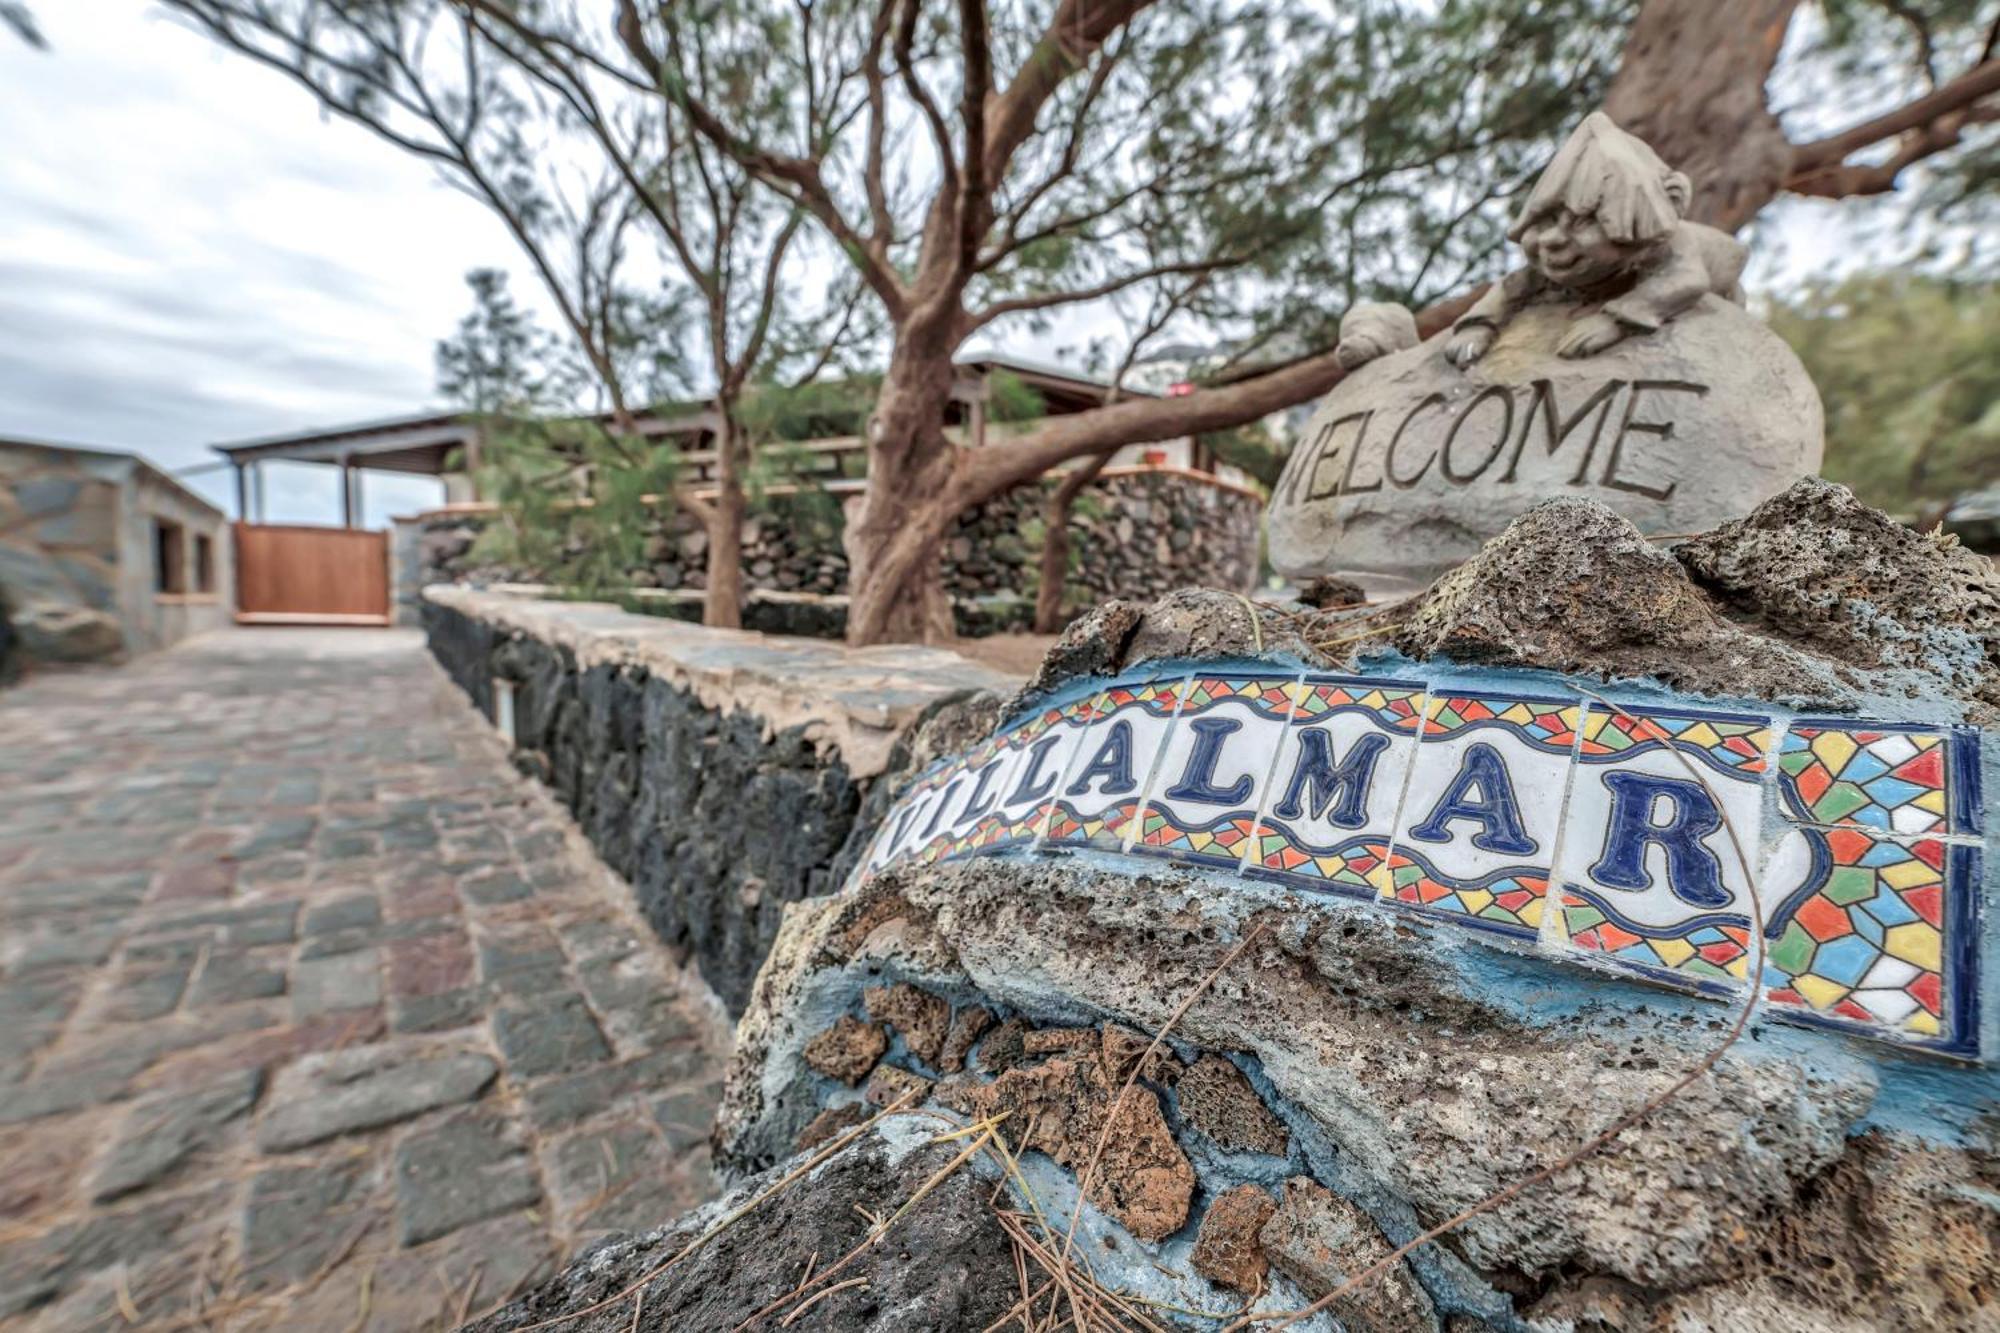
x=314 y=1014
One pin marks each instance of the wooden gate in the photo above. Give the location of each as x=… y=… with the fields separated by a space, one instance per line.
x=311 y=576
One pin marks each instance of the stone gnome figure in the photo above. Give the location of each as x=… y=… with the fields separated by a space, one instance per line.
x=1603 y=230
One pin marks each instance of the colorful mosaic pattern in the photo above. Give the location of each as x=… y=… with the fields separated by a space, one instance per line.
x=991 y=833
x=1106 y=829
x=1395 y=707
x=1159 y=697
x=1711 y=949
x=1509 y=900
x=1547 y=724
x=1736 y=746
x=1866 y=937
x=1268 y=696
x=1871 y=893
x=1223 y=841
x=1358 y=865
x=1892 y=780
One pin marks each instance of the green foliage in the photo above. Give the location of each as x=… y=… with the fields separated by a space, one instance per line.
x=576 y=501
x=1909 y=369
x=1252 y=449
x=1010 y=398
x=819 y=410
x=575 y=498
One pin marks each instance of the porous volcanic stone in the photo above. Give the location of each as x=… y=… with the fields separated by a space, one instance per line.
x=1572 y=586
x=831 y=1124
x=847 y=1050
x=967 y=1027
x=920 y=1017
x=1004 y=1047
x=889 y=1084
x=1320 y=1240
x=1227 y=1248
x=1143 y=1178
x=1122 y=1047
x=1218 y=1100
x=1816 y=566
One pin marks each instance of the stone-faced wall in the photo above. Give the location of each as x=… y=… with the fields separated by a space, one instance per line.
x=59 y=550
x=722 y=775
x=77 y=560
x=1136 y=533
x=1360 y=1037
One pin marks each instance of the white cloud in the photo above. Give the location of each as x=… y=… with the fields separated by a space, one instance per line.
x=194 y=254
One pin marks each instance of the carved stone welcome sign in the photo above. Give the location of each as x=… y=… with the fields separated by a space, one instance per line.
x=1618 y=363
x=1411 y=463
x=1634 y=837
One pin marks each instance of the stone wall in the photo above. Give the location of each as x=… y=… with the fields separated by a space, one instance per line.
x=721 y=774
x=1404 y=1003
x=1137 y=533
x=77 y=558
x=59 y=551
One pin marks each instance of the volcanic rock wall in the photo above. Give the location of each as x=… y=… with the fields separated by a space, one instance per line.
x=1340 y=1066
x=720 y=773
x=1136 y=534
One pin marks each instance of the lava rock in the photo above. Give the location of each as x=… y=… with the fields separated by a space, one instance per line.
x=847 y=1050
x=1227 y=1248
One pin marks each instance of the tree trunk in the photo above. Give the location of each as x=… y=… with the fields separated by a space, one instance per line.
x=1055 y=544
x=722 y=606
x=895 y=543
x=1691 y=84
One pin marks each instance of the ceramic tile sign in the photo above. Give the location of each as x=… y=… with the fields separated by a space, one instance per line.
x=1643 y=838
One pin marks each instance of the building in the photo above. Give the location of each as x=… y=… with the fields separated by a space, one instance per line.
x=446 y=445
x=103 y=555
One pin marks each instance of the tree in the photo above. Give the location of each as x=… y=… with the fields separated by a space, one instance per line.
x=1050 y=156
x=17 y=18
x=1909 y=369
x=1068 y=153
x=575 y=501
x=571 y=169
x=979 y=169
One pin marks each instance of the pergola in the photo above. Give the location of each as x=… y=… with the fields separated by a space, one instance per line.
x=435 y=445
x=447 y=444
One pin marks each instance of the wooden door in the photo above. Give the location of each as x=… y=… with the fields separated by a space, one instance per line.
x=289 y=575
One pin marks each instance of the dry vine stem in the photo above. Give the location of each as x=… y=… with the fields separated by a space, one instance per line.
x=1753 y=981
x=875 y=1234
x=791 y=1177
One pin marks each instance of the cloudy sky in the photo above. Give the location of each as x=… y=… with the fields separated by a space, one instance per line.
x=190 y=253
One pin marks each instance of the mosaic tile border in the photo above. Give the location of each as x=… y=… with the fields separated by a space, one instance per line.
x=1540 y=815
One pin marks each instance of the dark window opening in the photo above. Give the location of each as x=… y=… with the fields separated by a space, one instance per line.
x=169 y=557
x=204 y=562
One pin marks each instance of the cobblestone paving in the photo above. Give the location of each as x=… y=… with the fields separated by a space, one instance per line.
x=314 y=1014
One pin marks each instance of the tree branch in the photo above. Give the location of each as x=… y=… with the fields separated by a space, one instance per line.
x=1075 y=33
x=1976 y=83
x=984 y=473
x=1015 y=305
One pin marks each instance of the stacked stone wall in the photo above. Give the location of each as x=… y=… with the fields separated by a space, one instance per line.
x=716 y=811
x=1136 y=534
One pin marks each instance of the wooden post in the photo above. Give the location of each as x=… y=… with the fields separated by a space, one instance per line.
x=346 y=494
x=242 y=494
x=257 y=489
